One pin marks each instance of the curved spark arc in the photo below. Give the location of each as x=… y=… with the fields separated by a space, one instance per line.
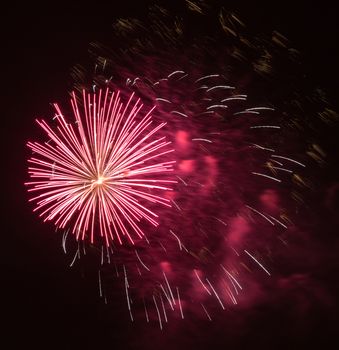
x=98 y=173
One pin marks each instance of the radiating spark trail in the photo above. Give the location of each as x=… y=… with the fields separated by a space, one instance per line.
x=101 y=167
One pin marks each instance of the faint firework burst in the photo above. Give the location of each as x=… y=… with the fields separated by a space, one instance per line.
x=93 y=173
x=241 y=173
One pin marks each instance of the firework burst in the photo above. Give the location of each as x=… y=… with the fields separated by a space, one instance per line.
x=240 y=155
x=100 y=171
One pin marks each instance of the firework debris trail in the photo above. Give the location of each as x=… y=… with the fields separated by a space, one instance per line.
x=240 y=170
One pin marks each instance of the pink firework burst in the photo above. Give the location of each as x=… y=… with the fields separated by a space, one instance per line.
x=97 y=175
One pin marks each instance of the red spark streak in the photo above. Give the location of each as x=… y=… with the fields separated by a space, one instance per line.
x=95 y=172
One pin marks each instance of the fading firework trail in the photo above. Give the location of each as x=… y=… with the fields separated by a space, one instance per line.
x=97 y=175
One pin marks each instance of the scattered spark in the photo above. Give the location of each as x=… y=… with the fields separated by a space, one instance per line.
x=216 y=294
x=179 y=113
x=127 y=295
x=202 y=87
x=234 y=98
x=207 y=77
x=163 y=308
x=64 y=239
x=176 y=72
x=231 y=276
x=217 y=106
x=281 y=169
x=199 y=279
x=179 y=241
x=102 y=255
x=278 y=221
x=167 y=296
x=290 y=159
x=185 y=183
x=257 y=262
x=207 y=314
x=265 y=127
x=230 y=294
x=77 y=254
x=276 y=162
x=141 y=262
x=267 y=176
x=260 y=109
x=146 y=312
x=163 y=100
x=176 y=205
x=261 y=214
x=159 y=317
x=227 y=87
x=99 y=280
x=180 y=307
x=263 y=148
x=200 y=139
x=169 y=287
x=224 y=223
x=246 y=112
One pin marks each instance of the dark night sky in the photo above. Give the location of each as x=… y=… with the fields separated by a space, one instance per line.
x=46 y=304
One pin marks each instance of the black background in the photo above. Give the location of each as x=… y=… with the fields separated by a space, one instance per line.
x=47 y=305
